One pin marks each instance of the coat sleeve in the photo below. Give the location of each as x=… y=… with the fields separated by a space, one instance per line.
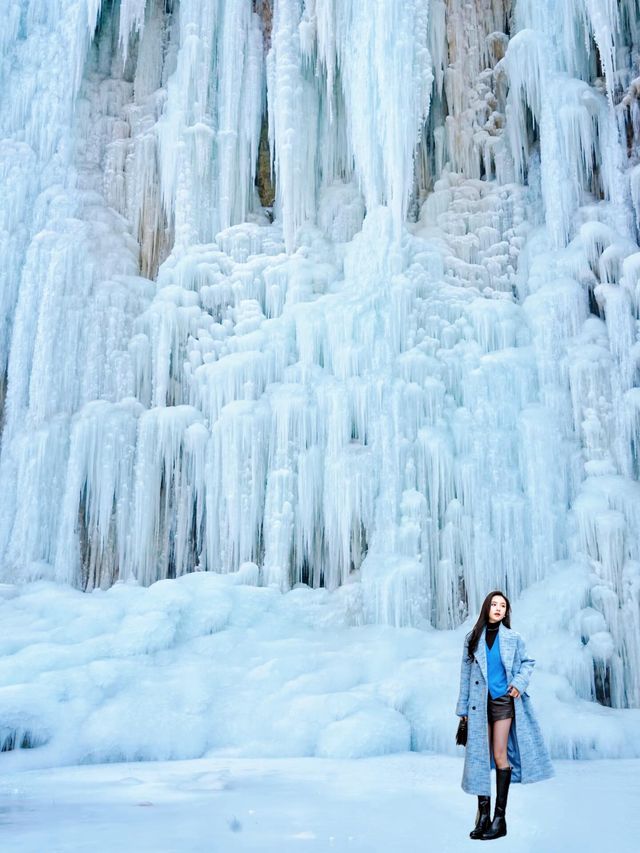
x=521 y=679
x=462 y=708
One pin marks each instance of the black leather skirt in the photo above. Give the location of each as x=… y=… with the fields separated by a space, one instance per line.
x=501 y=708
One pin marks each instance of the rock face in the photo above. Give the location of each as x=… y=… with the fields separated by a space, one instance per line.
x=348 y=295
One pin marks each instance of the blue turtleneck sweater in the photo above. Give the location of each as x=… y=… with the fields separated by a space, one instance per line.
x=496 y=673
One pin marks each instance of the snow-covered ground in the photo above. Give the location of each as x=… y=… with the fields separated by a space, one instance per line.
x=291 y=724
x=404 y=803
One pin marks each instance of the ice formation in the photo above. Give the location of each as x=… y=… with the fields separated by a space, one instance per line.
x=214 y=664
x=346 y=292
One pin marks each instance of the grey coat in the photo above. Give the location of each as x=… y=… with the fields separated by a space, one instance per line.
x=526 y=751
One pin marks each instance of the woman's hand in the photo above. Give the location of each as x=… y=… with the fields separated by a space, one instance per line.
x=513 y=691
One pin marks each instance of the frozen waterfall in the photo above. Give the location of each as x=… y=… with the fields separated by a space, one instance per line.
x=330 y=292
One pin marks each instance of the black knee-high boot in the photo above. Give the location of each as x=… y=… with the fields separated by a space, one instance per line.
x=498 y=826
x=483 y=817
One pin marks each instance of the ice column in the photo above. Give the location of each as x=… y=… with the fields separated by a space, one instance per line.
x=374 y=64
x=210 y=127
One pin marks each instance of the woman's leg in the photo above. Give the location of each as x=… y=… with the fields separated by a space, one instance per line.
x=500 y=737
x=499 y=743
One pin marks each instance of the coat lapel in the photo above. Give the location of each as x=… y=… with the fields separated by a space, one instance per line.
x=481 y=656
x=507 y=648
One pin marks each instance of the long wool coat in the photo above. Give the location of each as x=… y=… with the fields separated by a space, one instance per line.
x=526 y=751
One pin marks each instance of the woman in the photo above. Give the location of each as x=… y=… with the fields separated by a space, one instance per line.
x=502 y=728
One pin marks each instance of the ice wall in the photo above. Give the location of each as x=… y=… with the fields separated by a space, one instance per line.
x=416 y=371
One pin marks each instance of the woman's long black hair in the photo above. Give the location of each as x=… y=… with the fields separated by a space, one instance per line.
x=483 y=620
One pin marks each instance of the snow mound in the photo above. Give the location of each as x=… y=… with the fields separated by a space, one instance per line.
x=209 y=665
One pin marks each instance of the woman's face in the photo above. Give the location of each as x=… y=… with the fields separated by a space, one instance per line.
x=497 y=609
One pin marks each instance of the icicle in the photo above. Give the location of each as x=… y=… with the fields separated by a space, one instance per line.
x=203 y=128
x=236 y=472
x=605 y=23
x=132 y=14
x=386 y=115
x=166 y=494
x=292 y=132
x=99 y=491
x=573 y=119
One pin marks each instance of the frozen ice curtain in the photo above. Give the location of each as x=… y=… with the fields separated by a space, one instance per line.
x=332 y=292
